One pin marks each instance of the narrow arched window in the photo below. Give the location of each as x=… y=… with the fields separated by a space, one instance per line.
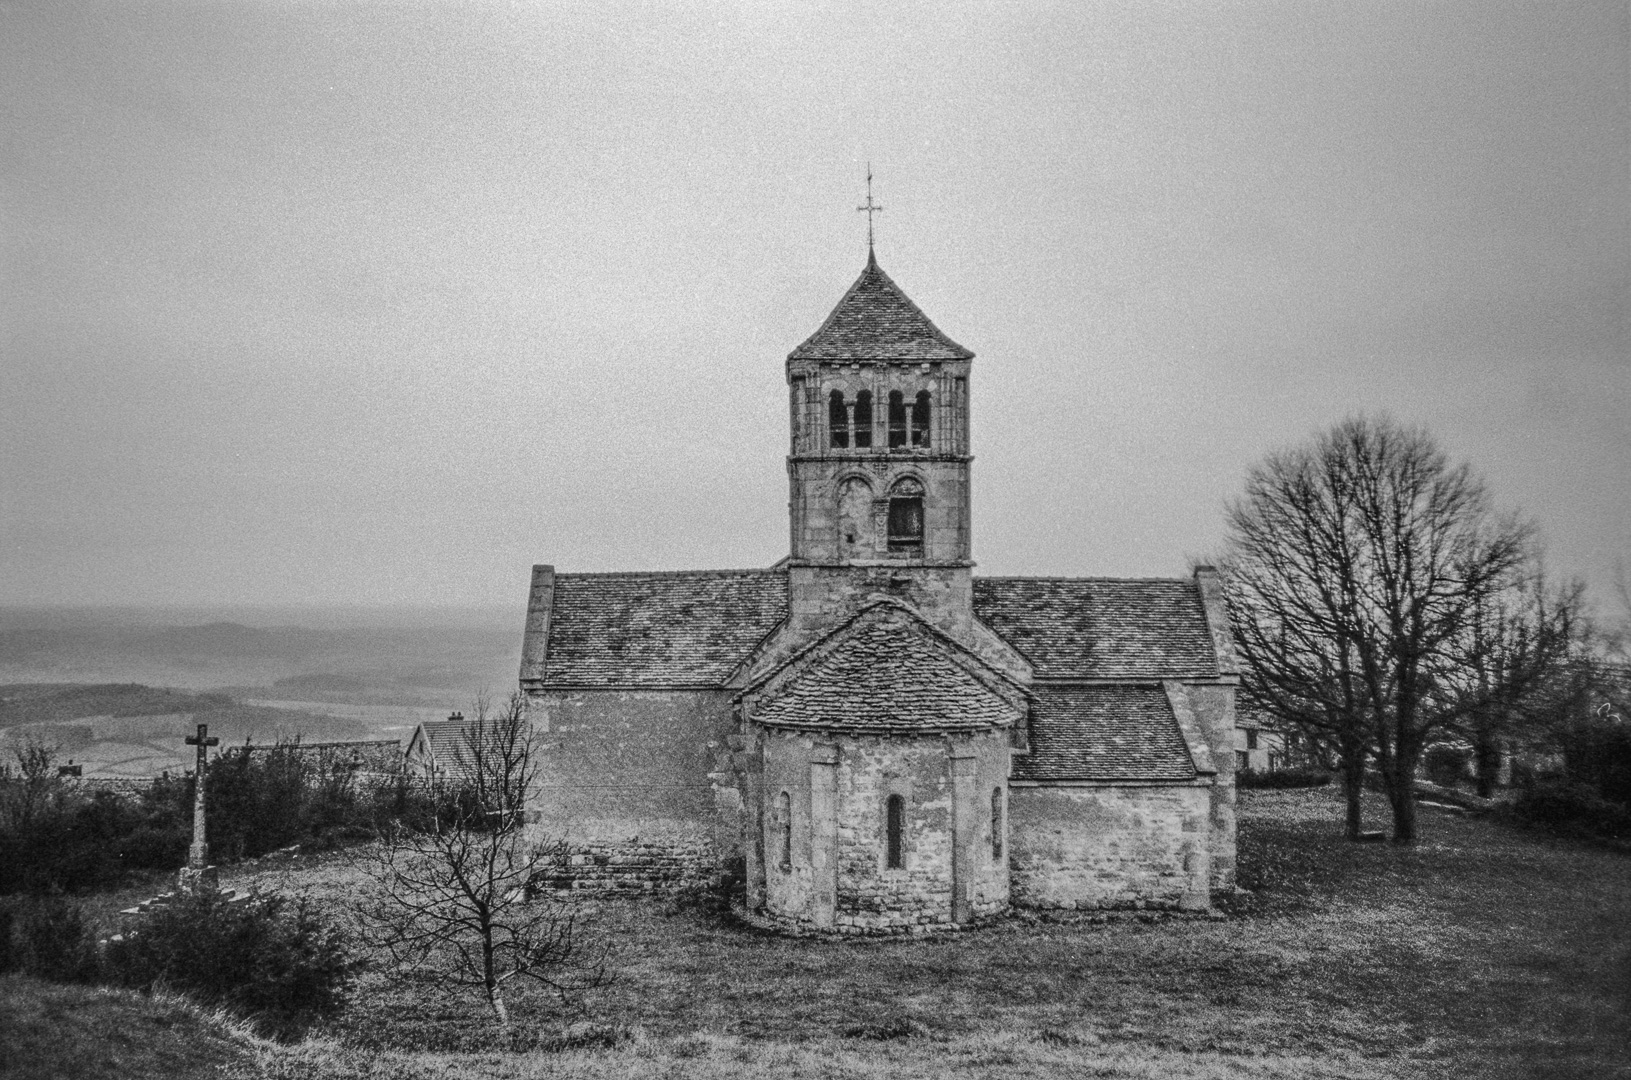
x=897 y=419
x=784 y=830
x=996 y=823
x=920 y=419
x=894 y=832
x=863 y=418
x=837 y=420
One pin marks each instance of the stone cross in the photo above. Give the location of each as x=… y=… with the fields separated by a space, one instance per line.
x=198 y=855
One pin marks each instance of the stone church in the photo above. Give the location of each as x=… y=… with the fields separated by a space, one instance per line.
x=870 y=736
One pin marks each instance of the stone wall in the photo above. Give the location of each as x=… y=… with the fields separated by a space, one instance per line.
x=1107 y=846
x=376 y=756
x=629 y=780
x=838 y=788
x=1214 y=708
x=635 y=866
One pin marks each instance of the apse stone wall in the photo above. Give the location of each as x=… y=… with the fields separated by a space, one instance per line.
x=838 y=787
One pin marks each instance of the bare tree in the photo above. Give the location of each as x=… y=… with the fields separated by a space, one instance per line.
x=1292 y=575
x=1506 y=674
x=31 y=789
x=1361 y=566
x=451 y=898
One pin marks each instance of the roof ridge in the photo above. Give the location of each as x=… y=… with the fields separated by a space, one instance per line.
x=753 y=570
x=832 y=639
x=1063 y=577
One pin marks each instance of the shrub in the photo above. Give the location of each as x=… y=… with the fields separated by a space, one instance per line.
x=1598 y=752
x=1445 y=766
x=1283 y=778
x=46 y=937
x=1572 y=808
x=277 y=962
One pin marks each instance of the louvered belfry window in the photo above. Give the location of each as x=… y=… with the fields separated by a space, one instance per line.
x=906 y=524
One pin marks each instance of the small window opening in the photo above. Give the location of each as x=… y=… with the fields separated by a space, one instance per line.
x=996 y=823
x=897 y=419
x=906 y=524
x=920 y=419
x=1251 y=739
x=784 y=822
x=863 y=418
x=837 y=420
x=894 y=830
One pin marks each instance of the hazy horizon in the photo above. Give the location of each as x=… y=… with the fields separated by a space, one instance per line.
x=379 y=304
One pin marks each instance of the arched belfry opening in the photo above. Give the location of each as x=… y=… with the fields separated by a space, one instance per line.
x=920 y=420
x=863 y=420
x=897 y=419
x=837 y=420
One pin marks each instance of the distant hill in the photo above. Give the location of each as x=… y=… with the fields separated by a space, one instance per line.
x=35 y=703
x=131 y=730
x=413 y=658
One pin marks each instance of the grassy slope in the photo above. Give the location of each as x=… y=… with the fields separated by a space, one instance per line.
x=1480 y=952
x=85 y=1033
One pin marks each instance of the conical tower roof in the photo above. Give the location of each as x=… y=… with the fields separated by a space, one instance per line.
x=876 y=321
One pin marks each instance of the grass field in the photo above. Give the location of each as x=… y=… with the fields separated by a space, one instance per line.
x=1481 y=951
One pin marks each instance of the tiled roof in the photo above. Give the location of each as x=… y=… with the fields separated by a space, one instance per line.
x=876 y=321
x=446 y=741
x=886 y=671
x=1101 y=628
x=666 y=629
x=1103 y=733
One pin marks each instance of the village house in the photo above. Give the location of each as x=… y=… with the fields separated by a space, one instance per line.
x=1258 y=746
x=868 y=736
x=436 y=749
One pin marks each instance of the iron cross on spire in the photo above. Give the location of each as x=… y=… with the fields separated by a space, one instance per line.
x=870 y=208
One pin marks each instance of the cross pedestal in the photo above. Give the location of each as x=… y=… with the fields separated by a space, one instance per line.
x=198 y=873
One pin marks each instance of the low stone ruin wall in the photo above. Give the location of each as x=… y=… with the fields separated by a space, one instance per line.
x=633 y=867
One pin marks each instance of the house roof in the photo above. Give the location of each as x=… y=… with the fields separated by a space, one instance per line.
x=876 y=321
x=885 y=671
x=657 y=629
x=444 y=740
x=1103 y=733
x=1101 y=628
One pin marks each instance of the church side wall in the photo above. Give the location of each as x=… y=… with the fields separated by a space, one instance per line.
x=1110 y=846
x=628 y=781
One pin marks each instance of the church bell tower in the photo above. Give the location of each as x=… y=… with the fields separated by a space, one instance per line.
x=879 y=461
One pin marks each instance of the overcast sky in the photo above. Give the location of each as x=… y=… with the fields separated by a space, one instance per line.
x=383 y=303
